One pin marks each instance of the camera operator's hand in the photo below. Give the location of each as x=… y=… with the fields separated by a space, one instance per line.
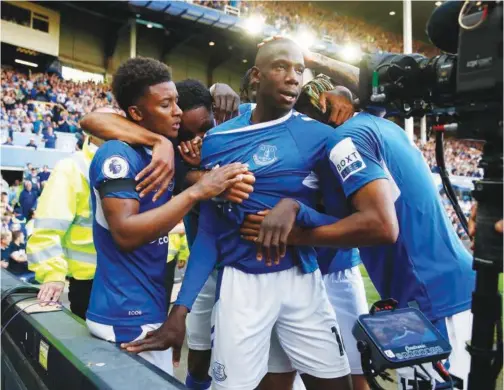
x=169 y=335
x=499 y=225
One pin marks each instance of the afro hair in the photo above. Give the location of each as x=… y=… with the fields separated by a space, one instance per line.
x=193 y=94
x=133 y=78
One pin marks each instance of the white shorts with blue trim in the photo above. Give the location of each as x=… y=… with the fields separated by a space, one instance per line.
x=161 y=359
x=250 y=306
x=347 y=295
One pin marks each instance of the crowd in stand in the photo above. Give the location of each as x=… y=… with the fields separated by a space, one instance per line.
x=461 y=157
x=17 y=206
x=42 y=104
x=288 y=16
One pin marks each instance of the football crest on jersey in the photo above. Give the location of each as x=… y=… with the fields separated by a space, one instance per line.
x=346 y=158
x=265 y=155
x=219 y=372
x=115 y=167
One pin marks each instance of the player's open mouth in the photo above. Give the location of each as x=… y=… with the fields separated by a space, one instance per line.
x=289 y=97
x=176 y=126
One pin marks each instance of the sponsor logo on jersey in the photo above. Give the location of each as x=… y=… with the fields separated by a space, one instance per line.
x=115 y=167
x=266 y=155
x=219 y=372
x=161 y=240
x=346 y=159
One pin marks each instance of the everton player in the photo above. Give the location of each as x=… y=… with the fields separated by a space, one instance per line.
x=253 y=297
x=385 y=191
x=130 y=231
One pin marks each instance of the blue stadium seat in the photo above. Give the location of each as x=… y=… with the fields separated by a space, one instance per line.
x=193 y=12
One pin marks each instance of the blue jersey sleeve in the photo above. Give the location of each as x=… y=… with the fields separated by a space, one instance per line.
x=310 y=218
x=203 y=257
x=115 y=163
x=355 y=156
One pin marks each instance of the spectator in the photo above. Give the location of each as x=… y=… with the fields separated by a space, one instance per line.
x=50 y=139
x=34 y=179
x=8 y=142
x=4 y=204
x=5 y=241
x=28 y=199
x=32 y=144
x=18 y=261
x=6 y=220
x=27 y=171
x=63 y=124
x=14 y=191
x=44 y=175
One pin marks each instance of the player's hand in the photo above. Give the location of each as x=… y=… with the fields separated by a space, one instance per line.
x=274 y=232
x=4 y=264
x=159 y=173
x=241 y=190
x=216 y=181
x=340 y=107
x=50 y=292
x=226 y=102
x=169 y=335
x=191 y=151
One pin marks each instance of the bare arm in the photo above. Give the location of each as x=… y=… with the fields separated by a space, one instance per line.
x=159 y=173
x=131 y=229
x=109 y=126
x=373 y=223
x=341 y=72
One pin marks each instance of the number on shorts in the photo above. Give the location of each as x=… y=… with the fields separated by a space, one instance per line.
x=339 y=340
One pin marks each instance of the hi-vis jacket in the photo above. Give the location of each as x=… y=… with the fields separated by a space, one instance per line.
x=62 y=239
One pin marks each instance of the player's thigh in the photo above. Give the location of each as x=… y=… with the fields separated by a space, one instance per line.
x=345 y=290
x=308 y=330
x=198 y=322
x=243 y=317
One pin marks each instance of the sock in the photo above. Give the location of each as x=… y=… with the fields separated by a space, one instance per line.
x=193 y=384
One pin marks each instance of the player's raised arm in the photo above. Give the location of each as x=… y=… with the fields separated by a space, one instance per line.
x=131 y=229
x=107 y=124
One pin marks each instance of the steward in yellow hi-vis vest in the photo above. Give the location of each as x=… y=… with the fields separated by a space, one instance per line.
x=62 y=240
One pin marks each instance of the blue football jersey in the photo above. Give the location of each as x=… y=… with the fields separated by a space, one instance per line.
x=428 y=266
x=284 y=155
x=128 y=288
x=333 y=260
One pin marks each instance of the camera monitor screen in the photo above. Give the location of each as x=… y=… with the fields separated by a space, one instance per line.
x=399 y=329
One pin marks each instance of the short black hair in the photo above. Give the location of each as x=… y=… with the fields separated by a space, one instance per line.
x=134 y=76
x=193 y=94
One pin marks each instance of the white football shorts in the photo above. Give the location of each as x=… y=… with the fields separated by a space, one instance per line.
x=347 y=295
x=250 y=306
x=161 y=359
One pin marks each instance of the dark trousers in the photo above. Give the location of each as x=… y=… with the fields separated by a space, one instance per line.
x=79 y=292
x=170 y=276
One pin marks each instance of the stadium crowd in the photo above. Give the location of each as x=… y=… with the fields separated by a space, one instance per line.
x=288 y=16
x=42 y=104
